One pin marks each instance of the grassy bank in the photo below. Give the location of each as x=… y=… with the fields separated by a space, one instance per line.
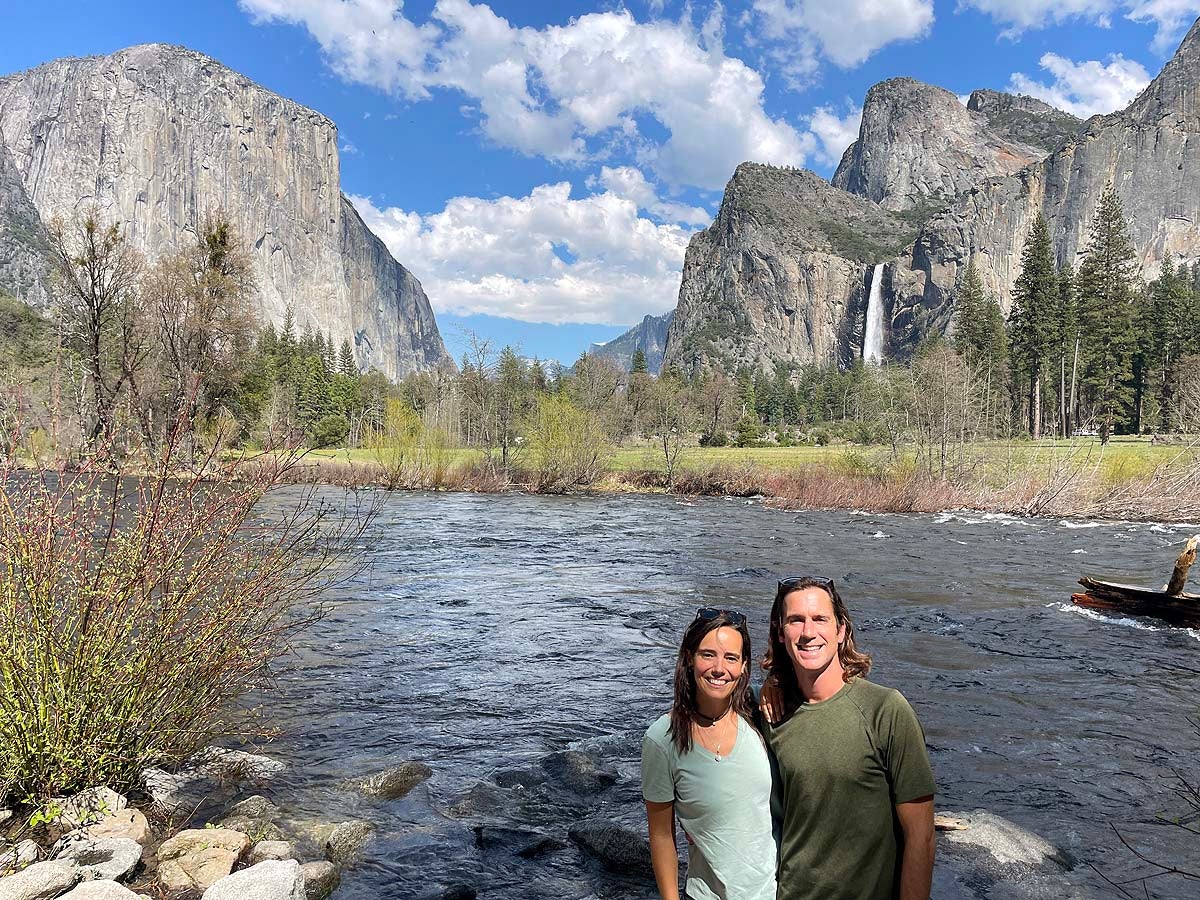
x=1129 y=478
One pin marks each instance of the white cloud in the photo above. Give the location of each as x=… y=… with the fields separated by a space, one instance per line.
x=1085 y=88
x=363 y=40
x=541 y=258
x=1170 y=16
x=846 y=32
x=629 y=183
x=569 y=92
x=834 y=133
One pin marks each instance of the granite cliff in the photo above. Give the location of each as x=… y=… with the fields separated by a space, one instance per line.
x=917 y=144
x=781 y=275
x=649 y=336
x=157 y=135
x=931 y=184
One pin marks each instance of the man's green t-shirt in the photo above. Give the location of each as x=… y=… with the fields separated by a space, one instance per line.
x=843 y=765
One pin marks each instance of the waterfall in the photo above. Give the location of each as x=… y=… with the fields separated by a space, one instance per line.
x=873 y=336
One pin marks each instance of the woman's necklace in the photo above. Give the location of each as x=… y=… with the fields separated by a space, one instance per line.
x=710 y=722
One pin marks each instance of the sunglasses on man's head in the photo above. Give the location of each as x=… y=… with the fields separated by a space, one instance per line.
x=708 y=613
x=815 y=580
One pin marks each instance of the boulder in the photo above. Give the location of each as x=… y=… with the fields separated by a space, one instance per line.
x=986 y=851
x=101 y=890
x=104 y=859
x=238 y=765
x=520 y=778
x=265 y=850
x=395 y=782
x=321 y=879
x=87 y=808
x=197 y=858
x=578 y=771
x=18 y=857
x=620 y=849
x=459 y=892
x=209 y=774
x=482 y=799
x=129 y=823
x=5 y=815
x=346 y=839
x=254 y=807
x=522 y=842
x=41 y=881
x=274 y=879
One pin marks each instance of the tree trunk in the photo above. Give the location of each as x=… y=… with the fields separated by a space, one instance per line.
x=1071 y=403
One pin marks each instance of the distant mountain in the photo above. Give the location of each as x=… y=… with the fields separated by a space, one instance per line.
x=784 y=272
x=650 y=336
x=158 y=135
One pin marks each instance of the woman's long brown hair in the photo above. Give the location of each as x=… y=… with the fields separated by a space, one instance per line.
x=777 y=662
x=685 y=683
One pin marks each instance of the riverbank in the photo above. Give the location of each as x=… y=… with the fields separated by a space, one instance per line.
x=1130 y=480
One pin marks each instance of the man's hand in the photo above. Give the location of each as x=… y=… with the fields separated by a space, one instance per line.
x=770 y=701
x=916 y=864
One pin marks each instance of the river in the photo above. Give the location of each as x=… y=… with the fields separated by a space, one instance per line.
x=492 y=630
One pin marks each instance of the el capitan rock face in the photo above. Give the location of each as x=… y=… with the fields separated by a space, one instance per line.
x=157 y=135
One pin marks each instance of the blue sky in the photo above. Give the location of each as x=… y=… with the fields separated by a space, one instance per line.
x=541 y=165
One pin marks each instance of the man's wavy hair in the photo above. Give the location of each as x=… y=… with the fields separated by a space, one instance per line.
x=777 y=662
x=685 y=683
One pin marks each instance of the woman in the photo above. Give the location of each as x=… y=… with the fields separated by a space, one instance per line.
x=705 y=763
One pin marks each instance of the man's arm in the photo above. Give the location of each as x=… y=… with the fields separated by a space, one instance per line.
x=916 y=865
x=664 y=857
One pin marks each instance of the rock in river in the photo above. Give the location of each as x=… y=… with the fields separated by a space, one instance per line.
x=346 y=839
x=270 y=880
x=578 y=771
x=197 y=858
x=105 y=859
x=620 y=849
x=321 y=879
x=992 y=852
x=521 y=842
x=395 y=782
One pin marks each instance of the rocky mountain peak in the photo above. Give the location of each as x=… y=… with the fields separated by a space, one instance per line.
x=919 y=145
x=1024 y=119
x=1175 y=93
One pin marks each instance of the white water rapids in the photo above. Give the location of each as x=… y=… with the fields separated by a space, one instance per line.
x=873 y=338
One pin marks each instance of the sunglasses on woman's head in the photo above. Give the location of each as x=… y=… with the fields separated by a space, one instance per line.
x=711 y=612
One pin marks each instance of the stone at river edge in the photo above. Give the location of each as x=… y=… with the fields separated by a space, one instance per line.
x=578 y=771
x=254 y=816
x=155 y=135
x=268 y=850
x=395 y=782
x=198 y=857
x=87 y=807
x=321 y=879
x=270 y=880
x=103 y=859
x=347 y=839
x=618 y=848
x=41 y=881
x=128 y=823
x=102 y=890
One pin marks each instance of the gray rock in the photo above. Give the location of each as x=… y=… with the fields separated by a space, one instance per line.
x=1025 y=119
x=238 y=765
x=523 y=778
x=101 y=890
x=620 y=849
x=522 y=842
x=321 y=879
x=41 y=881
x=395 y=782
x=19 y=856
x=128 y=823
x=578 y=771
x=103 y=859
x=649 y=336
x=255 y=807
x=265 y=850
x=998 y=858
x=459 y=892
x=482 y=799
x=917 y=143
x=156 y=134
x=270 y=880
x=87 y=807
x=347 y=839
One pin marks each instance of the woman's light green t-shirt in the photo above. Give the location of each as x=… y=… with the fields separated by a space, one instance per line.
x=723 y=805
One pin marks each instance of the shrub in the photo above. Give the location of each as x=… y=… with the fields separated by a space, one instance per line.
x=568 y=446
x=717 y=439
x=329 y=431
x=134 y=612
x=749 y=433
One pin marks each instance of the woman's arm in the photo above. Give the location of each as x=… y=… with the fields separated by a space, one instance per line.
x=660 y=817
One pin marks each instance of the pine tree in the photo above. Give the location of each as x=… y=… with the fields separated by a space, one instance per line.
x=968 y=313
x=329 y=356
x=1105 y=296
x=638 y=365
x=1031 y=324
x=346 y=364
x=1066 y=345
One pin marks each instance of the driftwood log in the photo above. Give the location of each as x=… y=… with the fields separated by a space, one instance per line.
x=1171 y=604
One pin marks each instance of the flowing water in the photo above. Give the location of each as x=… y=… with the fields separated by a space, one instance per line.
x=493 y=630
x=873 y=332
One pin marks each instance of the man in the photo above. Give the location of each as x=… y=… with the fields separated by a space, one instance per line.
x=854 y=781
